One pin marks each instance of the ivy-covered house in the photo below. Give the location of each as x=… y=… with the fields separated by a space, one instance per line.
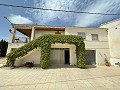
x=55 y=45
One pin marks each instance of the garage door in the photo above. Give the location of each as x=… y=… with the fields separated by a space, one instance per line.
x=57 y=56
x=90 y=57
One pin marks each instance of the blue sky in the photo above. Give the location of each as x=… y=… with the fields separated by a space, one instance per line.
x=30 y=16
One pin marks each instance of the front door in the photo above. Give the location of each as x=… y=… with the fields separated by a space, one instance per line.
x=67 y=56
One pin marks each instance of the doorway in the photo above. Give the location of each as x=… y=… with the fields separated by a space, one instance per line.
x=67 y=56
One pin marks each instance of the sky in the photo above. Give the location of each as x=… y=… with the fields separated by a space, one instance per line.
x=33 y=16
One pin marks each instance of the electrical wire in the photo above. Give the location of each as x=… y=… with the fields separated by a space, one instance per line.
x=56 y=10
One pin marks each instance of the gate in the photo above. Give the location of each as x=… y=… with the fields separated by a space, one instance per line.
x=90 y=57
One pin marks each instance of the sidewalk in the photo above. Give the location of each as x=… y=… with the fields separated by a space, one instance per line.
x=2 y=61
x=60 y=78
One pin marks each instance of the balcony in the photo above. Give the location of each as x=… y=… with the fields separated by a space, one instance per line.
x=21 y=40
x=17 y=42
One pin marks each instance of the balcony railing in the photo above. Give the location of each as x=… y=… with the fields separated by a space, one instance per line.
x=21 y=40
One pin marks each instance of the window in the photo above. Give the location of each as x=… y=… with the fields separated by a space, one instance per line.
x=94 y=36
x=82 y=34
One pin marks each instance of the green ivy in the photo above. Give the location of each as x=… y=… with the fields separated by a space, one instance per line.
x=44 y=42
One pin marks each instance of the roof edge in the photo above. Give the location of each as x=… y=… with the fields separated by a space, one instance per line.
x=36 y=25
x=110 y=22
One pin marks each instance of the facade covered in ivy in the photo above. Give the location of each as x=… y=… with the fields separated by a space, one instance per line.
x=53 y=45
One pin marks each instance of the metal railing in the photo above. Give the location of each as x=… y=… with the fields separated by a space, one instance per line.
x=21 y=40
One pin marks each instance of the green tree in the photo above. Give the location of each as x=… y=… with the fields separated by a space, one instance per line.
x=3 y=48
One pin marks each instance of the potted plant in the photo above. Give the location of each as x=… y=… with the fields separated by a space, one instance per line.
x=107 y=63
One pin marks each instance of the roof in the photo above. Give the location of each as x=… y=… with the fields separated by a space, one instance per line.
x=111 y=21
x=27 y=28
x=47 y=26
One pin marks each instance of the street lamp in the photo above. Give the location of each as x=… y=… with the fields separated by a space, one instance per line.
x=12 y=36
x=8 y=20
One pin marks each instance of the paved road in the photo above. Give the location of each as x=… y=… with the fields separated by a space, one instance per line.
x=60 y=78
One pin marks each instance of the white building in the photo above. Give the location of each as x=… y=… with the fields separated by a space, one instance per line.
x=96 y=44
x=114 y=40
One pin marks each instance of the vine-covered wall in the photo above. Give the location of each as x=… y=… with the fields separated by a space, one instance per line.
x=44 y=42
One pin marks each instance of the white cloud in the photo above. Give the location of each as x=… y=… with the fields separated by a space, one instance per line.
x=101 y=6
x=18 y=19
x=83 y=20
x=44 y=17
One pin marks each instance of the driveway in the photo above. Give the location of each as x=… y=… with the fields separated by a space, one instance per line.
x=60 y=78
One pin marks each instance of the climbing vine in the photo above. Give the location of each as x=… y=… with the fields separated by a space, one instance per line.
x=44 y=42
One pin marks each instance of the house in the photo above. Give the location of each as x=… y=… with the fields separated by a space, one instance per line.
x=114 y=40
x=95 y=39
x=96 y=44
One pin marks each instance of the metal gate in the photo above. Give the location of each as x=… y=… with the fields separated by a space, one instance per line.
x=90 y=57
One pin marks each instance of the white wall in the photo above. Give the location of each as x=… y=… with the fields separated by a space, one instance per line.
x=14 y=45
x=101 y=55
x=114 y=40
x=40 y=33
x=58 y=55
x=101 y=46
x=102 y=33
x=32 y=56
x=96 y=45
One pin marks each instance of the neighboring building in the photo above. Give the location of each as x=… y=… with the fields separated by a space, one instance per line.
x=114 y=40
x=96 y=44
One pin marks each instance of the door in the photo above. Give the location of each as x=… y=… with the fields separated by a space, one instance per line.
x=57 y=56
x=67 y=56
x=90 y=57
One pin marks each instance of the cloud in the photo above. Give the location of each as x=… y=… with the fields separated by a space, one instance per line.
x=100 y=6
x=83 y=20
x=44 y=17
x=18 y=19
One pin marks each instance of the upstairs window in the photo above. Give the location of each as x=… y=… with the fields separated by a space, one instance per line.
x=82 y=34
x=94 y=36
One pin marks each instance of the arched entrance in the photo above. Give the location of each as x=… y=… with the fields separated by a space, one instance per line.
x=63 y=54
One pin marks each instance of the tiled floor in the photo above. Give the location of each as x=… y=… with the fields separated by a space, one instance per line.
x=60 y=78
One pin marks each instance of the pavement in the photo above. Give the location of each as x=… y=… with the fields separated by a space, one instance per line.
x=63 y=77
x=2 y=61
